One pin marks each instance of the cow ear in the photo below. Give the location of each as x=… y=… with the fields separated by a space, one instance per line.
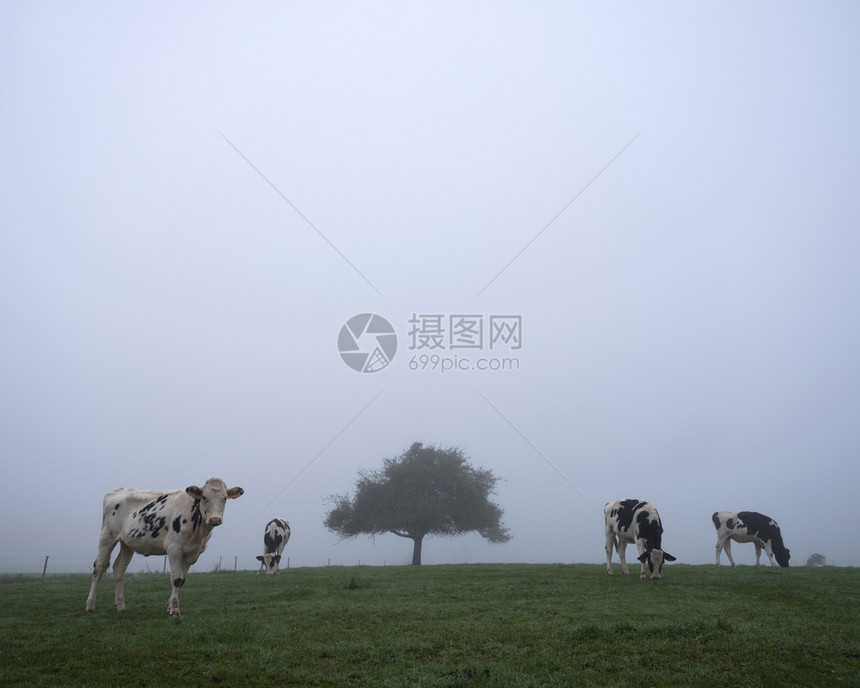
x=259 y=558
x=642 y=557
x=278 y=558
x=234 y=492
x=194 y=491
x=668 y=557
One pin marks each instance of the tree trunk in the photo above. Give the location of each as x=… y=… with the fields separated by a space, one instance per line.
x=416 y=551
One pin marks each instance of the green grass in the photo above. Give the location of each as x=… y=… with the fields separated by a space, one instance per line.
x=469 y=625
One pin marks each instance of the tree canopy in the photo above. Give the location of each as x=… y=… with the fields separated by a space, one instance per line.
x=424 y=491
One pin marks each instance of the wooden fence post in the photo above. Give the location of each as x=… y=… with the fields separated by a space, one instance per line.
x=45 y=568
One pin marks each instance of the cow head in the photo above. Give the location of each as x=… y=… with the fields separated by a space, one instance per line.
x=782 y=556
x=211 y=499
x=655 y=559
x=269 y=561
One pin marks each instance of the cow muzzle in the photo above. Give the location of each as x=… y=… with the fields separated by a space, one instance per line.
x=215 y=521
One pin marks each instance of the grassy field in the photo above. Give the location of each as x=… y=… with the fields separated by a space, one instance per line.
x=468 y=625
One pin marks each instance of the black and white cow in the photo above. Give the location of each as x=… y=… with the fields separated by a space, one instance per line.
x=147 y=522
x=750 y=526
x=634 y=521
x=276 y=536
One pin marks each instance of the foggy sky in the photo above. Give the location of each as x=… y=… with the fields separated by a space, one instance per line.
x=196 y=198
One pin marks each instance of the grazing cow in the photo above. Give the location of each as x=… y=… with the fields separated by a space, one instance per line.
x=178 y=524
x=632 y=520
x=277 y=535
x=750 y=526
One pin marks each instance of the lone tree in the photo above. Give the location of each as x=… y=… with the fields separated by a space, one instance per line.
x=424 y=491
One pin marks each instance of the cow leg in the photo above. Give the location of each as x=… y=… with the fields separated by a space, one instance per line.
x=178 y=573
x=728 y=548
x=643 y=572
x=610 y=542
x=757 y=553
x=769 y=552
x=100 y=565
x=622 y=549
x=719 y=550
x=120 y=564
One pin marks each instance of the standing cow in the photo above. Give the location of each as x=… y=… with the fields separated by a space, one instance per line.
x=276 y=536
x=632 y=520
x=750 y=526
x=178 y=524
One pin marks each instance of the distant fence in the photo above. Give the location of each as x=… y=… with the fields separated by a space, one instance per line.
x=49 y=565
x=45 y=565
